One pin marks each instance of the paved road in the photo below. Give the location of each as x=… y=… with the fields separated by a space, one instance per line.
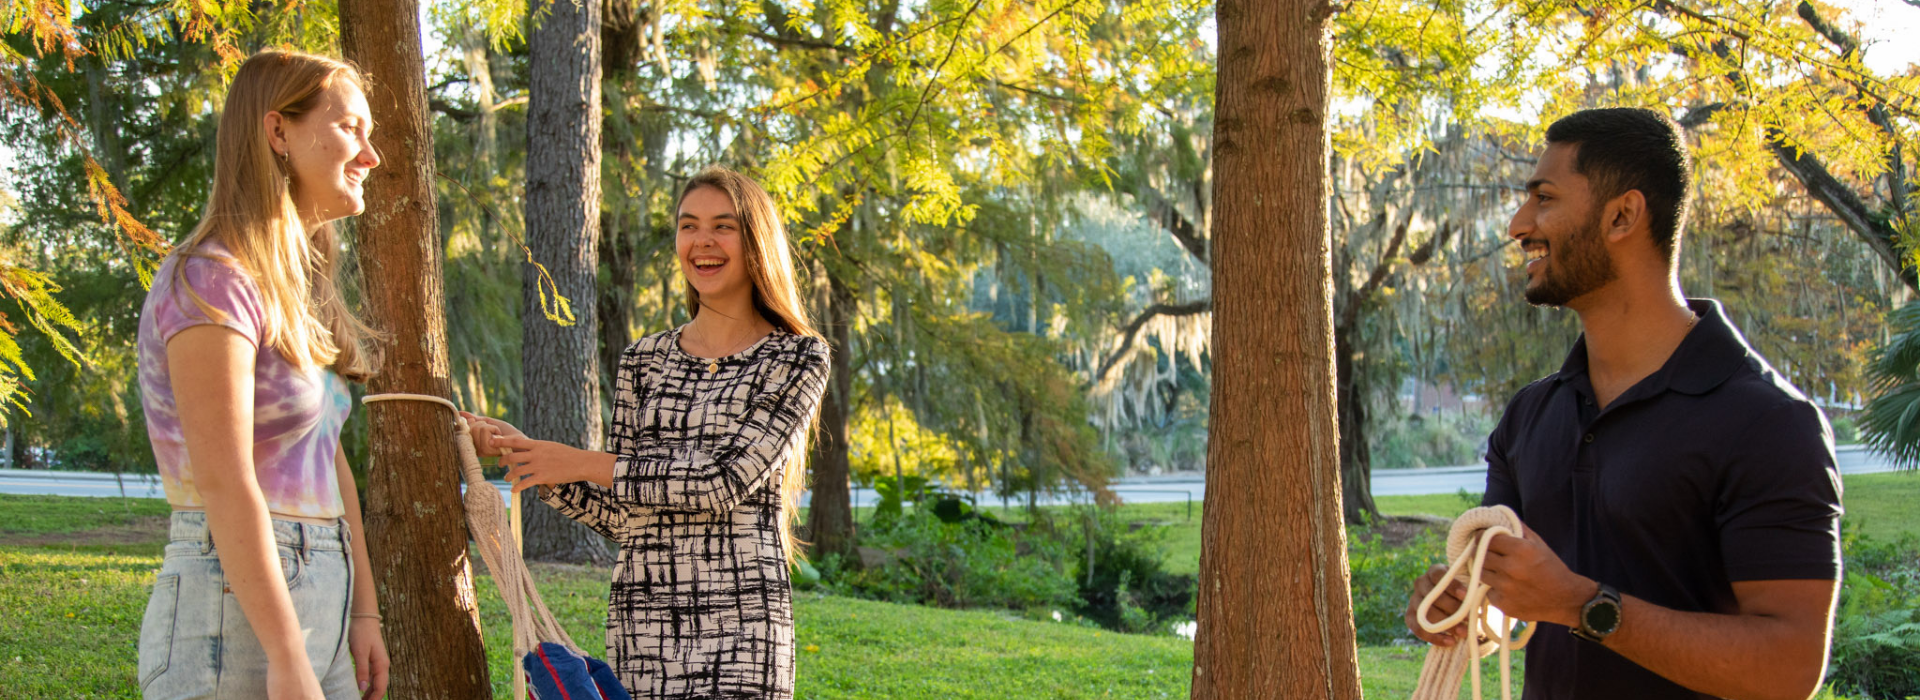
x=1152 y=489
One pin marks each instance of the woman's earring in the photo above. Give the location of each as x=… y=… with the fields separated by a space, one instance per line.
x=286 y=171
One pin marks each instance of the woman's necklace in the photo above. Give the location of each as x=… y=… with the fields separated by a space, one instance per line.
x=727 y=350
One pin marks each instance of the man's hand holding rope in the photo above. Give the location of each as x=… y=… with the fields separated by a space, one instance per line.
x=1531 y=583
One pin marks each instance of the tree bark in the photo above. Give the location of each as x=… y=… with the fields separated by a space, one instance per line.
x=560 y=364
x=1275 y=616
x=416 y=525
x=830 y=513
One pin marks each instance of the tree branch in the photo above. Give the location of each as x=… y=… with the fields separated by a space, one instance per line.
x=1833 y=33
x=1874 y=109
x=1843 y=202
x=1140 y=321
x=1702 y=114
x=1162 y=213
x=1838 y=198
x=802 y=42
x=1351 y=313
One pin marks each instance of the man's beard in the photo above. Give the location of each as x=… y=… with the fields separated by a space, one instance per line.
x=1585 y=266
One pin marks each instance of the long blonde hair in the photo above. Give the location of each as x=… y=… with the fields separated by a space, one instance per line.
x=252 y=213
x=776 y=295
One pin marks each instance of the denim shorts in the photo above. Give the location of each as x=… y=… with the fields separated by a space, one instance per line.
x=195 y=642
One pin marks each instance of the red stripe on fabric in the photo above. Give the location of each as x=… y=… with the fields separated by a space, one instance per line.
x=553 y=673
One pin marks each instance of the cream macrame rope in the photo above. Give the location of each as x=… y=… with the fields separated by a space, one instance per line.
x=1467 y=549
x=493 y=533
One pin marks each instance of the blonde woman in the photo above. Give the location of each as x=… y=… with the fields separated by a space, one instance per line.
x=699 y=486
x=245 y=349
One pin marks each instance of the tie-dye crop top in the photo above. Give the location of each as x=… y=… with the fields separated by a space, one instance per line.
x=296 y=414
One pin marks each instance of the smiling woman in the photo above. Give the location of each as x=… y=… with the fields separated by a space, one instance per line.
x=245 y=347
x=701 y=482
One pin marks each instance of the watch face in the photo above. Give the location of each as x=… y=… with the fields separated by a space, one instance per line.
x=1602 y=617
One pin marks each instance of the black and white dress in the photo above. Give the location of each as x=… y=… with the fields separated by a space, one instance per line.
x=701 y=606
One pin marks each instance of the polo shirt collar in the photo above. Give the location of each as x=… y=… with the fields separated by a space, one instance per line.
x=1710 y=353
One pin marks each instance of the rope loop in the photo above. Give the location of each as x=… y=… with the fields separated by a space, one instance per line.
x=1467 y=544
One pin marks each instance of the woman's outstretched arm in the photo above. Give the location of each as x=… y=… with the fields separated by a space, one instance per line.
x=699 y=481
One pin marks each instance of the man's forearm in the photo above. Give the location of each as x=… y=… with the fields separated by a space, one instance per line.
x=1741 y=656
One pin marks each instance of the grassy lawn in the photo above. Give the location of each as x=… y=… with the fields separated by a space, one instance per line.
x=88 y=596
x=82 y=567
x=1883 y=506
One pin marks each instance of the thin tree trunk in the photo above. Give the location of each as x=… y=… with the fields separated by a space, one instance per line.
x=560 y=365
x=830 y=514
x=416 y=525
x=623 y=219
x=1275 y=617
x=1356 y=457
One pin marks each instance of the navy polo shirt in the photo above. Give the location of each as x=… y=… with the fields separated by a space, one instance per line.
x=1711 y=470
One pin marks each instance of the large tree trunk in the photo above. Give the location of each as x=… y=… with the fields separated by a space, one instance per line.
x=560 y=365
x=1275 y=617
x=1356 y=458
x=830 y=514
x=416 y=525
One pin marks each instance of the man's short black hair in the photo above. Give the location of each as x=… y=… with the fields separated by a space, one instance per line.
x=1629 y=148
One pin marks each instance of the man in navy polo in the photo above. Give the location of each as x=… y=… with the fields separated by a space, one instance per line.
x=1681 y=499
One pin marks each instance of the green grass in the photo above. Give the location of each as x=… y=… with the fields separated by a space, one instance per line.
x=86 y=599
x=80 y=643
x=1884 y=507
x=47 y=515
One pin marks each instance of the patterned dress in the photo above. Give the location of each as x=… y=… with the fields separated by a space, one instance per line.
x=701 y=606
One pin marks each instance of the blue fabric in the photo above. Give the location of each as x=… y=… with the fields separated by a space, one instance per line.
x=603 y=678
x=555 y=672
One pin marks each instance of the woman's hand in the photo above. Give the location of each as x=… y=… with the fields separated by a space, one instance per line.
x=369 y=651
x=545 y=463
x=482 y=429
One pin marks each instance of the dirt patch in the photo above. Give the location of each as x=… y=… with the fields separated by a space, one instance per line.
x=1398 y=530
x=144 y=529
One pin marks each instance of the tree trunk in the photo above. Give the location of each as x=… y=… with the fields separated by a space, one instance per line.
x=623 y=219
x=830 y=514
x=416 y=525
x=1275 y=617
x=560 y=365
x=1356 y=457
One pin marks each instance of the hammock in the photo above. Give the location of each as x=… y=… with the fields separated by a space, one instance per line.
x=1467 y=550
x=550 y=662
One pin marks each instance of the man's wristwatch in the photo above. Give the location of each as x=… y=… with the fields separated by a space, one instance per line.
x=1600 y=616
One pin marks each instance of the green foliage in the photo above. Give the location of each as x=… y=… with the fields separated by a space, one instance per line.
x=1876 y=636
x=1121 y=569
x=1890 y=422
x=1433 y=440
x=1845 y=430
x=967 y=564
x=886 y=439
x=1381 y=576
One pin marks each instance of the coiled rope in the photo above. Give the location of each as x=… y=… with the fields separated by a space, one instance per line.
x=1467 y=550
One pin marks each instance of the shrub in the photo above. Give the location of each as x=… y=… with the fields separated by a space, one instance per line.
x=972 y=563
x=1129 y=589
x=1876 y=636
x=1382 y=579
x=942 y=552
